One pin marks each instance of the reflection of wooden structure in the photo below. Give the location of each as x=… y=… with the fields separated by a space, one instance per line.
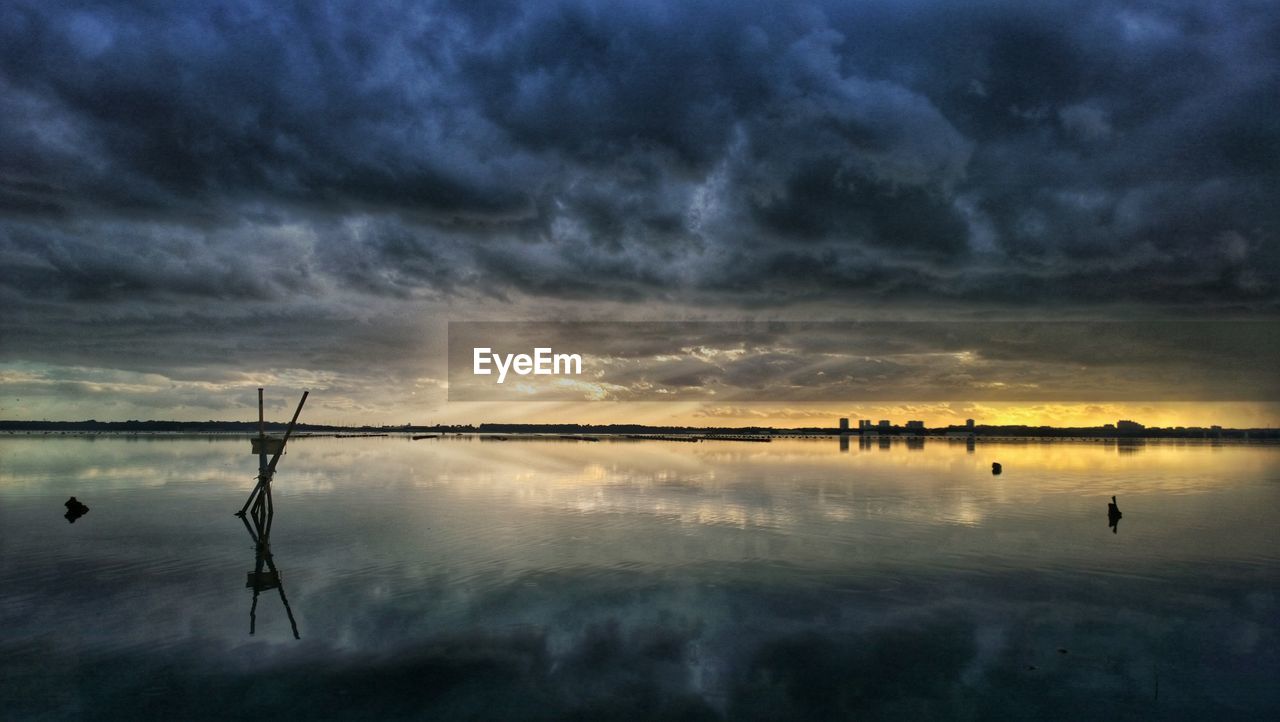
x=265 y=576
x=261 y=512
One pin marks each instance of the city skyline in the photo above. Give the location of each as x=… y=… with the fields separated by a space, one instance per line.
x=804 y=422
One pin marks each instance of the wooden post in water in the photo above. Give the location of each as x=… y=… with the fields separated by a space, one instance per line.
x=263 y=512
x=260 y=497
x=271 y=468
x=262 y=437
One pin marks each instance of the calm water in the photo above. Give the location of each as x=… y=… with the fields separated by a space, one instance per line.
x=544 y=579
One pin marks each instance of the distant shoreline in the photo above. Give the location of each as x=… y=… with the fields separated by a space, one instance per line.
x=241 y=428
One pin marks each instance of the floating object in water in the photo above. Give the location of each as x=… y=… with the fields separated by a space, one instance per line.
x=996 y=468
x=1113 y=516
x=425 y=436
x=75 y=510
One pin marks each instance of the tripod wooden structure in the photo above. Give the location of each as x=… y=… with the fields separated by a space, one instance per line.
x=260 y=497
x=261 y=512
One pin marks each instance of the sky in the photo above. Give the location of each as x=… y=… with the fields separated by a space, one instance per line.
x=200 y=198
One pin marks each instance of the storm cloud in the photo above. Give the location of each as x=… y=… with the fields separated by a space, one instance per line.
x=197 y=166
x=866 y=361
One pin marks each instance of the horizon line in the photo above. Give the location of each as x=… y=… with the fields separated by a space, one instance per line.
x=18 y=424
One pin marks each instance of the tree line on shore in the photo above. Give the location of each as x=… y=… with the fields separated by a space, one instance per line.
x=232 y=427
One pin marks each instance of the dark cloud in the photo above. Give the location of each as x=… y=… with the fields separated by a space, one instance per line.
x=884 y=360
x=708 y=155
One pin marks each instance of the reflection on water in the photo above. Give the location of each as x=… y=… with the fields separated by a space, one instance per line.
x=265 y=575
x=1128 y=446
x=642 y=579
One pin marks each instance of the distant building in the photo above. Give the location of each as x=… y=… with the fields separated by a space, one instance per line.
x=844 y=426
x=884 y=424
x=1127 y=425
x=967 y=432
x=915 y=425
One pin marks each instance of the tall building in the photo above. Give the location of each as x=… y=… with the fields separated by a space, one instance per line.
x=844 y=426
x=967 y=432
x=915 y=425
x=884 y=424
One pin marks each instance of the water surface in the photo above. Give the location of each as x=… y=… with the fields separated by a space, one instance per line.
x=466 y=577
